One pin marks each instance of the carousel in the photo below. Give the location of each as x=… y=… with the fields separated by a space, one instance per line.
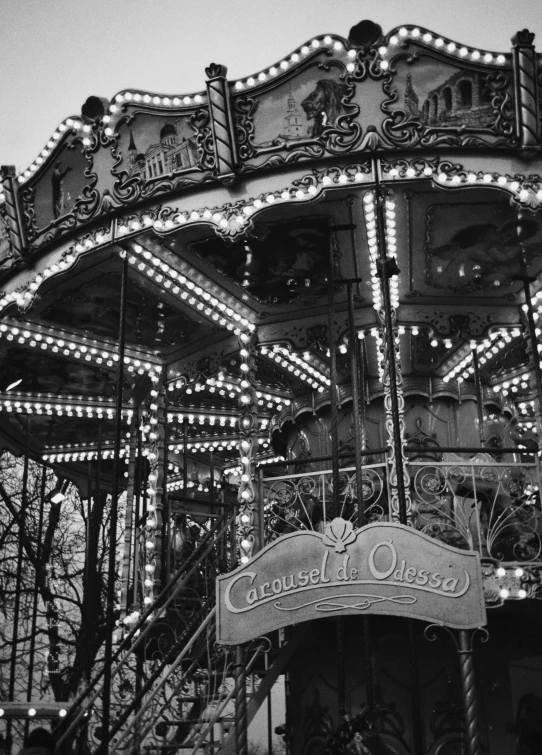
x=270 y=390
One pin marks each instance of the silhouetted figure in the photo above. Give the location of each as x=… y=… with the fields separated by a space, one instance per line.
x=39 y=742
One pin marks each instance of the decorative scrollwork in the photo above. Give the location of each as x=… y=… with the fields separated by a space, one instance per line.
x=491 y=507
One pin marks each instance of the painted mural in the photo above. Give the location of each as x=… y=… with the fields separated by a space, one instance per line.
x=58 y=189
x=299 y=111
x=279 y=264
x=479 y=247
x=440 y=96
x=153 y=147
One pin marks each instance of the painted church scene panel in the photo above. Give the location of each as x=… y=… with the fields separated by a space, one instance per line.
x=153 y=147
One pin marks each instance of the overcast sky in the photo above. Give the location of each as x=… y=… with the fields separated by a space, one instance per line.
x=55 y=53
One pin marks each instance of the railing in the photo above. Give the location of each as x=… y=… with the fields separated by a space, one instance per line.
x=465 y=498
x=162 y=661
x=480 y=504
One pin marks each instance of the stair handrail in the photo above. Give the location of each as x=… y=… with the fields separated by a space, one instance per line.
x=143 y=626
x=113 y=746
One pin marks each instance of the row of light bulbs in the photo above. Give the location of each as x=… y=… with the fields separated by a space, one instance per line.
x=189 y=291
x=298 y=366
x=523 y=193
x=292 y=60
x=422 y=35
x=88 y=351
x=154 y=99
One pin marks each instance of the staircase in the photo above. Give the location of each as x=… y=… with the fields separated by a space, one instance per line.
x=173 y=689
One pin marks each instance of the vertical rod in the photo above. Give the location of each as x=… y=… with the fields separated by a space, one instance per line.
x=415 y=697
x=333 y=387
x=110 y=614
x=368 y=651
x=479 y=392
x=269 y=712
x=341 y=675
x=138 y=507
x=261 y=505
x=468 y=686
x=166 y=545
x=36 y=587
x=241 y=721
x=18 y=579
x=390 y=346
x=185 y=456
x=355 y=403
x=363 y=393
x=534 y=342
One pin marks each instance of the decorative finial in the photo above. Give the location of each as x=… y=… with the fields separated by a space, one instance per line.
x=365 y=34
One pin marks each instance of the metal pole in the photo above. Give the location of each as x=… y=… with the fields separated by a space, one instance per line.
x=269 y=713
x=479 y=393
x=36 y=588
x=470 y=702
x=341 y=675
x=355 y=401
x=241 y=721
x=390 y=345
x=333 y=387
x=18 y=579
x=110 y=613
x=534 y=341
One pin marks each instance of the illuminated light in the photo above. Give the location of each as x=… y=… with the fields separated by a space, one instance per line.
x=504 y=593
x=487 y=178
x=475 y=55
x=384 y=64
x=238 y=85
x=337 y=45
x=31 y=711
x=523 y=194
x=501 y=180
x=488 y=57
x=244 y=559
x=428 y=171
x=501 y=572
x=519 y=572
x=251 y=81
x=394 y=40
x=62 y=712
x=501 y=59
x=439 y=42
x=352 y=67
x=451 y=46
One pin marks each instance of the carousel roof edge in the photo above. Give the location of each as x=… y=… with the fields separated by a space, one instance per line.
x=386 y=46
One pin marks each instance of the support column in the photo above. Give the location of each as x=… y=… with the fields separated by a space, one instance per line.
x=479 y=392
x=112 y=572
x=250 y=508
x=400 y=500
x=468 y=686
x=241 y=721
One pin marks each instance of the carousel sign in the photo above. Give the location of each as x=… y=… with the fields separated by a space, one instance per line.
x=382 y=568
